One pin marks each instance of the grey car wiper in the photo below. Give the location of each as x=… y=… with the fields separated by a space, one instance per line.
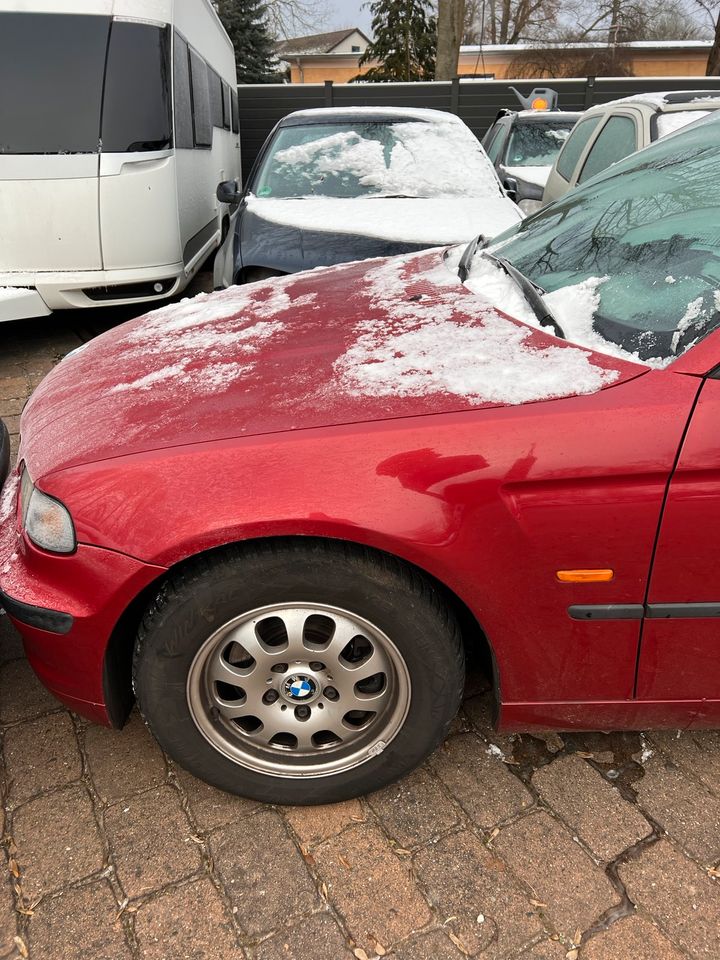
x=469 y=252
x=533 y=294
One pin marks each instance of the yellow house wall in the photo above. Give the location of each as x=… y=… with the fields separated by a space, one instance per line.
x=686 y=63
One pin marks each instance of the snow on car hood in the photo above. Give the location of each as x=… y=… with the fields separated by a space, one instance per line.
x=380 y=339
x=535 y=175
x=432 y=221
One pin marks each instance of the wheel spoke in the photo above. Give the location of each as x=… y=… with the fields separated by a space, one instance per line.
x=219 y=670
x=345 y=679
x=294 y=621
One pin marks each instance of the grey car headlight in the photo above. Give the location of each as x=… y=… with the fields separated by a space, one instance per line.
x=47 y=522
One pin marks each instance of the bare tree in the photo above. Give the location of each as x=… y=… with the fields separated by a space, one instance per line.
x=450 y=24
x=709 y=8
x=509 y=21
x=293 y=18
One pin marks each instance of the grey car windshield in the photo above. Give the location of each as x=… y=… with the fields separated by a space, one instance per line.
x=631 y=260
x=536 y=144
x=365 y=158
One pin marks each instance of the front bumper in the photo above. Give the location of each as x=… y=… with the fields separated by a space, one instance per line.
x=84 y=595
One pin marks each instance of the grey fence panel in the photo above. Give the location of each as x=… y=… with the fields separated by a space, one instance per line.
x=476 y=101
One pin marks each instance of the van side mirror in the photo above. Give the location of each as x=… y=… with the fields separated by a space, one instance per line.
x=511 y=188
x=228 y=192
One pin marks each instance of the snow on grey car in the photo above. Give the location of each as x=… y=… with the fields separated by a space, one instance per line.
x=336 y=185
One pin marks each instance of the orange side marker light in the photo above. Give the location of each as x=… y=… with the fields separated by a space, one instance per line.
x=585 y=576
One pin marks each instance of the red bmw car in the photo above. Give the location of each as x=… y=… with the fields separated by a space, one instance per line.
x=280 y=515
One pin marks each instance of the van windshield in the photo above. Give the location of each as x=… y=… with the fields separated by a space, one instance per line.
x=52 y=75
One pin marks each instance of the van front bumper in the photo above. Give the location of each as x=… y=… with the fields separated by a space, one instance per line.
x=21 y=303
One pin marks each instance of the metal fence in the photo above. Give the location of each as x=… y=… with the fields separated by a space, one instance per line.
x=475 y=101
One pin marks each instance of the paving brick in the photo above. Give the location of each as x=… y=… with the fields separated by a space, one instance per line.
x=591 y=806
x=414 y=809
x=633 y=937
x=476 y=896
x=316 y=938
x=122 y=762
x=561 y=875
x=57 y=840
x=41 y=754
x=371 y=887
x=314 y=824
x=12 y=388
x=168 y=927
x=11 y=647
x=548 y=950
x=22 y=696
x=79 y=924
x=8 y=917
x=150 y=838
x=263 y=872
x=696 y=751
x=679 y=895
x=481 y=783
x=435 y=945
x=210 y=807
x=683 y=807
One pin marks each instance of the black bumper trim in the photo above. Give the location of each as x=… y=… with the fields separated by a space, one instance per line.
x=4 y=453
x=682 y=611
x=51 y=620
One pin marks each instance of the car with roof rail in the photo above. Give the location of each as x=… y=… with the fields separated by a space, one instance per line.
x=522 y=144
x=282 y=515
x=337 y=184
x=610 y=131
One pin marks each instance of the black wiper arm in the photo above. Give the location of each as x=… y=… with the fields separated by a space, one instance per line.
x=468 y=253
x=532 y=295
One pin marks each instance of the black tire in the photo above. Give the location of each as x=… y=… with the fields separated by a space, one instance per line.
x=206 y=594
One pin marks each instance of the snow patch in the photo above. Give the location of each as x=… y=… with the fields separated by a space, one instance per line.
x=8 y=499
x=535 y=175
x=668 y=123
x=419 y=345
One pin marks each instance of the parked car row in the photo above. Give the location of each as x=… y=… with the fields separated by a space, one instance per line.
x=280 y=515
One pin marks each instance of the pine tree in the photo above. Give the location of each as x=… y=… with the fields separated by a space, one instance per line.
x=405 y=41
x=247 y=26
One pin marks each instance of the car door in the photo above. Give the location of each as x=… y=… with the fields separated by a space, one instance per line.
x=680 y=645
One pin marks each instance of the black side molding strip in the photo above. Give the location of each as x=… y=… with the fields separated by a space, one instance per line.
x=607 y=611
x=51 y=620
x=681 y=611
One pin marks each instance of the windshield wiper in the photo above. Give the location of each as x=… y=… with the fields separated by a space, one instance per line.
x=533 y=294
x=469 y=252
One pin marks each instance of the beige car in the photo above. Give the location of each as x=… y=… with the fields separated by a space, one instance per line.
x=610 y=131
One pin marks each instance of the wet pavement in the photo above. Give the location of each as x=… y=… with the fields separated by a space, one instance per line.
x=583 y=846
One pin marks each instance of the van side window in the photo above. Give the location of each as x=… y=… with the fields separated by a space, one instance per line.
x=234 y=99
x=202 y=118
x=226 y=105
x=136 y=105
x=495 y=148
x=183 y=102
x=574 y=146
x=616 y=140
x=216 y=98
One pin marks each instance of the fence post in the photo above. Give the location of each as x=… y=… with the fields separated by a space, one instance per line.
x=328 y=93
x=455 y=95
x=589 y=87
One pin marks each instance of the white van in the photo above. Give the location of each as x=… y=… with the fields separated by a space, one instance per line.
x=117 y=120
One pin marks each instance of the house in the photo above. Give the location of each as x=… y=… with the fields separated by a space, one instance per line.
x=324 y=56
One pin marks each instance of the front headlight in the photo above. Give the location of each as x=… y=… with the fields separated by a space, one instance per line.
x=46 y=521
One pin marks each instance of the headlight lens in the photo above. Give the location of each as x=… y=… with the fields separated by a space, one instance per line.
x=47 y=522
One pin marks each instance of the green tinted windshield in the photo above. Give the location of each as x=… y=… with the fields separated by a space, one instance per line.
x=645 y=237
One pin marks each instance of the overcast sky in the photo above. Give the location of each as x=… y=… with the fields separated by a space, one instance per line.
x=349 y=13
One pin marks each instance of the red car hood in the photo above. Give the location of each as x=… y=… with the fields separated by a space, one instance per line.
x=365 y=341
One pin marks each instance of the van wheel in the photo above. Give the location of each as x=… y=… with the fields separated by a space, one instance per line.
x=298 y=673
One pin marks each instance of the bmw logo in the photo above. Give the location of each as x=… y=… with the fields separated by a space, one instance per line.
x=299 y=687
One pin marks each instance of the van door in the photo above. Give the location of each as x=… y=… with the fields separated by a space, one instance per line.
x=51 y=73
x=138 y=200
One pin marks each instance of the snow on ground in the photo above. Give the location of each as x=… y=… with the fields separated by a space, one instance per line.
x=536 y=175
x=442 y=344
x=431 y=221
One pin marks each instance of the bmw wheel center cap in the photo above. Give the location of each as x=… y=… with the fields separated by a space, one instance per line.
x=300 y=688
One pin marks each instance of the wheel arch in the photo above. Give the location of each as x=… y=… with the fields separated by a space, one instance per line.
x=117 y=664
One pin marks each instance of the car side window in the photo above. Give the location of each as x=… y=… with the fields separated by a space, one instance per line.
x=498 y=143
x=574 y=146
x=616 y=140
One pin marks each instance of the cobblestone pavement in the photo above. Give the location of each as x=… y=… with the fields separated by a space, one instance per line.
x=586 y=847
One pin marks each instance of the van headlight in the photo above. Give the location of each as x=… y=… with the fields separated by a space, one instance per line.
x=47 y=522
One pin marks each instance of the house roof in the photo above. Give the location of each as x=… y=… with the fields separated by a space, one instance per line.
x=316 y=43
